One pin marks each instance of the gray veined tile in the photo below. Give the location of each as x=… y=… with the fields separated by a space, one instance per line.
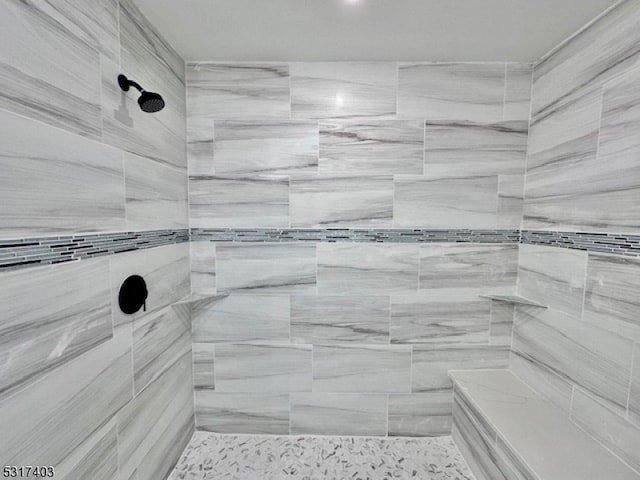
x=517 y=97
x=441 y=319
x=373 y=147
x=49 y=73
x=49 y=316
x=203 y=268
x=358 y=269
x=260 y=147
x=341 y=202
x=443 y=202
x=339 y=319
x=612 y=296
x=200 y=132
x=204 y=366
x=258 y=202
x=431 y=364
x=242 y=318
x=634 y=392
x=420 y=414
x=263 y=368
x=54 y=182
x=156 y=194
x=81 y=397
x=159 y=340
x=362 y=368
x=343 y=90
x=242 y=412
x=267 y=268
x=338 y=414
x=501 y=329
x=227 y=91
x=452 y=91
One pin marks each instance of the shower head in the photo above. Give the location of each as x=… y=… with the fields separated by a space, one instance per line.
x=149 y=102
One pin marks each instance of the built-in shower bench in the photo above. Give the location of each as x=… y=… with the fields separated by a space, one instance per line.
x=506 y=431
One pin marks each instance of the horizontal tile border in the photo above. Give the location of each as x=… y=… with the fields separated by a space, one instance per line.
x=27 y=252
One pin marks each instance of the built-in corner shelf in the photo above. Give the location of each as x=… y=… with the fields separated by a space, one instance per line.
x=191 y=303
x=515 y=299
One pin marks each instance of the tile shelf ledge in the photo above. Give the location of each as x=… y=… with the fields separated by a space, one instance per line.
x=515 y=299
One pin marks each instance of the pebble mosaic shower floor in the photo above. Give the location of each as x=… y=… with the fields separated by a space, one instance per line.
x=258 y=457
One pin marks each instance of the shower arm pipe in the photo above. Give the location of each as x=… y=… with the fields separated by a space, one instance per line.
x=125 y=83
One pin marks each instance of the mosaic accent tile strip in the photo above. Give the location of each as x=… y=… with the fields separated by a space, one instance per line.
x=619 y=244
x=355 y=235
x=36 y=251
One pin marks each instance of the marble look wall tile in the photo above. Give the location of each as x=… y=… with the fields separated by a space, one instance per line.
x=615 y=432
x=510 y=464
x=555 y=340
x=468 y=268
x=227 y=91
x=452 y=91
x=501 y=328
x=160 y=136
x=267 y=268
x=554 y=277
x=49 y=316
x=374 y=147
x=347 y=269
x=166 y=271
x=82 y=396
x=156 y=194
x=596 y=54
x=612 y=297
x=338 y=414
x=438 y=318
x=50 y=73
x=420 y=415
x=203 y=268
x=243 y=318
x=79 y=182
x=159 y=340
x=155 y=427
x=517 y=96
x=343 y=90
x=200 y=132
x=239 y=201
x=263 y=368
x=431 y=364
x=340 y=202
x=335 y=319
x=265 y=147
x=362 y=368
x=242 y=413
x=634 y=391
x=204 y=366
x=433 y=201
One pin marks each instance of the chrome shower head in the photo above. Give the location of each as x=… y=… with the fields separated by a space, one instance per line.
x=149 y=102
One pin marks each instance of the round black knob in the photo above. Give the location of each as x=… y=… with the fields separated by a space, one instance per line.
x=133 y=294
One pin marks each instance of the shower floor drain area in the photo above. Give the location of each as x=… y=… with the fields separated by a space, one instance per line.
x=259 y=457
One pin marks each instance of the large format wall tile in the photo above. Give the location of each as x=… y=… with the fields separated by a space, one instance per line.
x=239 y=201
x=54 y=182
x=612 y=297
x=343 y=90
x=338 y=414
x=156 y=194
x=375 y=147
x=634 y=393
x=277 y=268
x=452 y=91
x=265 y=147
x=357 y=269
x=263 y=368
x=227 y=91
x=242 y=412
x=362 y=368
x=438 y=318
x=49 y=316
x=336 y=319
x=420 y=414
x=50 y=73
x=204 y=376
x=347 y=201
x=517 y=95
x=441 y=202
x=242 y=318
x=81 y=397
x=203 y=268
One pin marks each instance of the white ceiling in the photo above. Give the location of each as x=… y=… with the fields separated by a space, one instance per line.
x=400 y=30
